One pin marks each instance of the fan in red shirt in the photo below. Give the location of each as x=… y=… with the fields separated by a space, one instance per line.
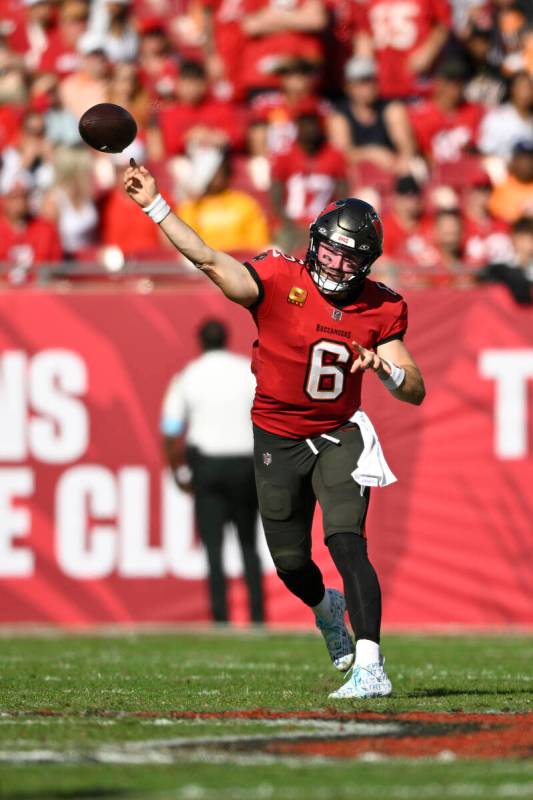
x=440 y=260
x=157 y=67
x=486 y=240
x=446 y=126
x=306 y=179
x=298 y=95
x=406 y=241
x=197 y=119
x=28 y=27
x=61 y=55
x=25 y=241
x=10 y=120
x=320 y=324
x=274 y=33
x=407 y=36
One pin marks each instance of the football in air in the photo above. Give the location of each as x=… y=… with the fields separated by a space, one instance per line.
x=108 y=128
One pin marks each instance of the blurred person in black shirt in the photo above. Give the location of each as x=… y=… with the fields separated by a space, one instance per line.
x=517 y=274
x=367 y=128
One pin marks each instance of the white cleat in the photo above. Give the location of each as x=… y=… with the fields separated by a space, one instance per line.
x=370 y=681
x=338 y=641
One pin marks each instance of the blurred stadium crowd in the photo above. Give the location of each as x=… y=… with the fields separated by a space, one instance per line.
x=253 y=114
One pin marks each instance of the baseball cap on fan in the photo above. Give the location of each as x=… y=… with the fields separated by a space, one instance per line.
x=294 y=64
x=18 y=183
x=406 y=184
x=360 y=69
x=453 y=69
x=90 y=42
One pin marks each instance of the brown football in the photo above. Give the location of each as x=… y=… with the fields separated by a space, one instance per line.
x=108 y=128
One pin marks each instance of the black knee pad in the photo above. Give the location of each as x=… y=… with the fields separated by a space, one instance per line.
x=274 y=501
x=289 y=560
x=342 y=517
x=346 y=513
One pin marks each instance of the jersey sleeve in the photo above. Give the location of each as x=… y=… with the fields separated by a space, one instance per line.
x=263 y=269
x=394 y=321
x=174 y=409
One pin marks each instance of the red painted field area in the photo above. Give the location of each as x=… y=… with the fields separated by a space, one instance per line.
x=426 y=735
x=350 y=735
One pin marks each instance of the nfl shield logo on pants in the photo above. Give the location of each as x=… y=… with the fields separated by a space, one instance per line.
x=267 y=459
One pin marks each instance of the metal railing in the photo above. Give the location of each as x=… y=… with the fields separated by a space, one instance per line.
x=150 y=274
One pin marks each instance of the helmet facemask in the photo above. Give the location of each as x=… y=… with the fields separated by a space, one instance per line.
x=335 y=269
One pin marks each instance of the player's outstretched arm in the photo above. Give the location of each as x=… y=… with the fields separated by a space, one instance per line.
x=226 y=272
x=395 y=366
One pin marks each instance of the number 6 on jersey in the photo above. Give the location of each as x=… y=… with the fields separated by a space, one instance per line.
x=326 y=370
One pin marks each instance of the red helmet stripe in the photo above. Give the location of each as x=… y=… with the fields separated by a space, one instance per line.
x=376 y=222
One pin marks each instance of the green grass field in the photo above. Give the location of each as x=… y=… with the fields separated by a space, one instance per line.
x=106 y=716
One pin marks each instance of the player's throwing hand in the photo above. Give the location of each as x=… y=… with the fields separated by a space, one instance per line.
x=367 y=359
x=139 y=184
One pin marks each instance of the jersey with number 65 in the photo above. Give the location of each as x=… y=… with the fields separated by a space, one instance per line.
x=303 y=353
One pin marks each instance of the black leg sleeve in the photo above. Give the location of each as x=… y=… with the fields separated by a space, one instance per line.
x=305 y=582
x=361 y=585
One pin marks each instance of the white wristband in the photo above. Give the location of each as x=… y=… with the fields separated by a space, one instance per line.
x=158 y=209
x=396 y=377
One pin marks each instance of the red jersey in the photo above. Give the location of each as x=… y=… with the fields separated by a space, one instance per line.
x=407 y=246
x=60 y=56
x=263 y=53
x=37 y=242
x=274 y=109
x=159 y=82
x=310 y=180
x=178 y=118
x=10 y=118
x=303 y=352
x=398 y=28
x=444 y=135
x=13 y=17
x=123 y=226
x=486 y=242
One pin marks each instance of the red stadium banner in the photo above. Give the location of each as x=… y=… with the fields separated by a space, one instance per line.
x=92 y=531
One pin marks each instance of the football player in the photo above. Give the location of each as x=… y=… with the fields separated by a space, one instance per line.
x=321 y=325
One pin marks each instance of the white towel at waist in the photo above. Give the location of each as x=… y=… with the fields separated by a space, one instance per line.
x=372 y=468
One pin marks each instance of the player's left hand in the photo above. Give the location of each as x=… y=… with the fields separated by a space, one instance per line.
x=367 y=359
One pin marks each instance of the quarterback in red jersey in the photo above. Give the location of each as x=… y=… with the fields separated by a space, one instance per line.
x=321 y=324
